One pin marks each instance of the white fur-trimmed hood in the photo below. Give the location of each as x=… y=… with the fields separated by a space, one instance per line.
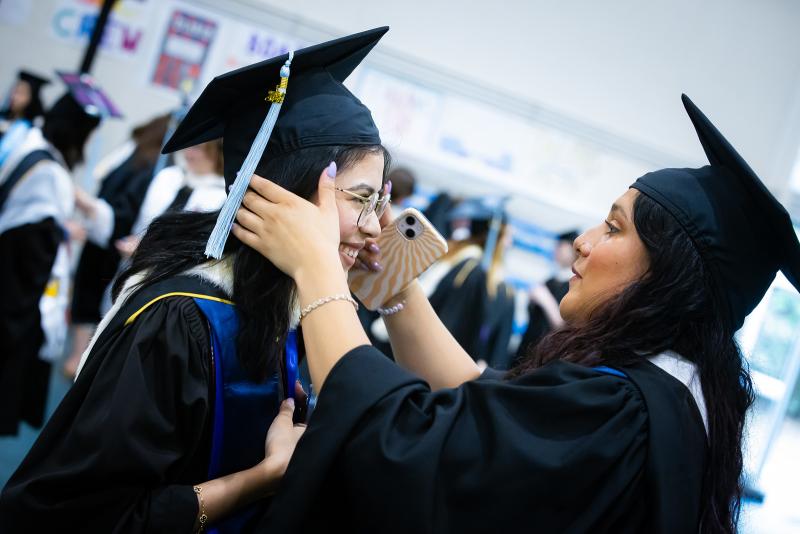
x=217 y=272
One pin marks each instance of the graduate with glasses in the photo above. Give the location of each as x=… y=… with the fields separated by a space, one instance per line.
x=166 y=427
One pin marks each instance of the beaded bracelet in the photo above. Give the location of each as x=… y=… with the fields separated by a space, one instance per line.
x=391 y=310
x=324 y=300
x=203 y=519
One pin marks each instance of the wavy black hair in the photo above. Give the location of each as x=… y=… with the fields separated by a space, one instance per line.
x=672 y=307
x=176 y=241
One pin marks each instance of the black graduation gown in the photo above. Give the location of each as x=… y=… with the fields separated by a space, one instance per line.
x=132 y=436
x=28 y=253
x=124 y=188
x=438 y=212
x=482 y=324
x=498 y=325
x=538 y=325
x=562 y=449
x=460 y=302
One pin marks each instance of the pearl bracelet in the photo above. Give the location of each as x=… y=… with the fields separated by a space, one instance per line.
x=324 y=300
x=203 y=519
x=391 y=310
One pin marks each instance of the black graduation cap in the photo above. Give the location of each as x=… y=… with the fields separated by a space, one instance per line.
x=485 y=214
x=743 y=234
x=84 y=91
x=34 y=108
x=78 y=111
x=568 y=236
x=34 y=80
x=309 y=108
x=318 y=109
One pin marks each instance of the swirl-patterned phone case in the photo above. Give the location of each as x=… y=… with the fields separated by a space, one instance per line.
x=409 y=245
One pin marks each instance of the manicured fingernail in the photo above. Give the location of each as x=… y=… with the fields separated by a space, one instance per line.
x=389 y=187
x=376 y=266
x=373 y=248
x=290 y=402
x=331 y=171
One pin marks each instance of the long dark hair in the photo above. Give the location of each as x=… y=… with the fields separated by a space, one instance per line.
x=672 y=307
x=176 y=241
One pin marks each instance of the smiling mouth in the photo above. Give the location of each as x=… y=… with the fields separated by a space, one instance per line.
x=577 y=275
x=349 y=251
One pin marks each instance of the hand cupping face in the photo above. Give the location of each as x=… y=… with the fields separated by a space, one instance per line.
x=291 y=232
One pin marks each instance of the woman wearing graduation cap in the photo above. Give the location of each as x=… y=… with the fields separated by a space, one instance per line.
x=24 y=101
x=628 y=419
x=166 y=426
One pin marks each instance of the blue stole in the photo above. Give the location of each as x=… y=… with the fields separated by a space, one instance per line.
x=243 y=409
x=609 y=371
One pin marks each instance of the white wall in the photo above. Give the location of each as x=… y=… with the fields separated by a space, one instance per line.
x=619 y=65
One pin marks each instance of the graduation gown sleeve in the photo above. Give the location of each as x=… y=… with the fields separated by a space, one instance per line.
x=126 y=444
x=559 y=450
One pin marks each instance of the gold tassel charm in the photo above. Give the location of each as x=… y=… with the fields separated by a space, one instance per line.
x=277 y=96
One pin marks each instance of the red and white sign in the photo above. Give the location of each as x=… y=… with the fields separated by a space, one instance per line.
x=184 y=49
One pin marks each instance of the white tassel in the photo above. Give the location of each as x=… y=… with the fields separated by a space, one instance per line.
x=218 y=237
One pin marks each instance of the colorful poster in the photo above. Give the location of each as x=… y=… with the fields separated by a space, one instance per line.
x=73 y=21
x=89 y=96
x=245 y=44
x=184 y=49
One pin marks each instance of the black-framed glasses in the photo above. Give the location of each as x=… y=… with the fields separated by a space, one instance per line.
x=373 y=203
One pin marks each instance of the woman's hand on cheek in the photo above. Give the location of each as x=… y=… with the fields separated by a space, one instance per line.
x=369 y=257
x=291 y=232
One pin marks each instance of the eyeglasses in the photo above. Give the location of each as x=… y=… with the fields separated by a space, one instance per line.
x=375 y=202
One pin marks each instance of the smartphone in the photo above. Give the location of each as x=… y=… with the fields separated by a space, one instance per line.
x=409 y=245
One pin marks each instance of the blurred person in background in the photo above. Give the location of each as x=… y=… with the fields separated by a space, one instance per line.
x=124 y=176
x=194 y=183
x=438 y=212
x=24 y=101
x=36 y=203
x=543 y=314
x=404 y=183
x=466 y=286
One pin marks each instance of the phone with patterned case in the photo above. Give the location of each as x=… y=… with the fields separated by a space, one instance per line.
x=409 y=245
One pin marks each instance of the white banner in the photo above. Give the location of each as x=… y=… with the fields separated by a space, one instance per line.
x=73 y=21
